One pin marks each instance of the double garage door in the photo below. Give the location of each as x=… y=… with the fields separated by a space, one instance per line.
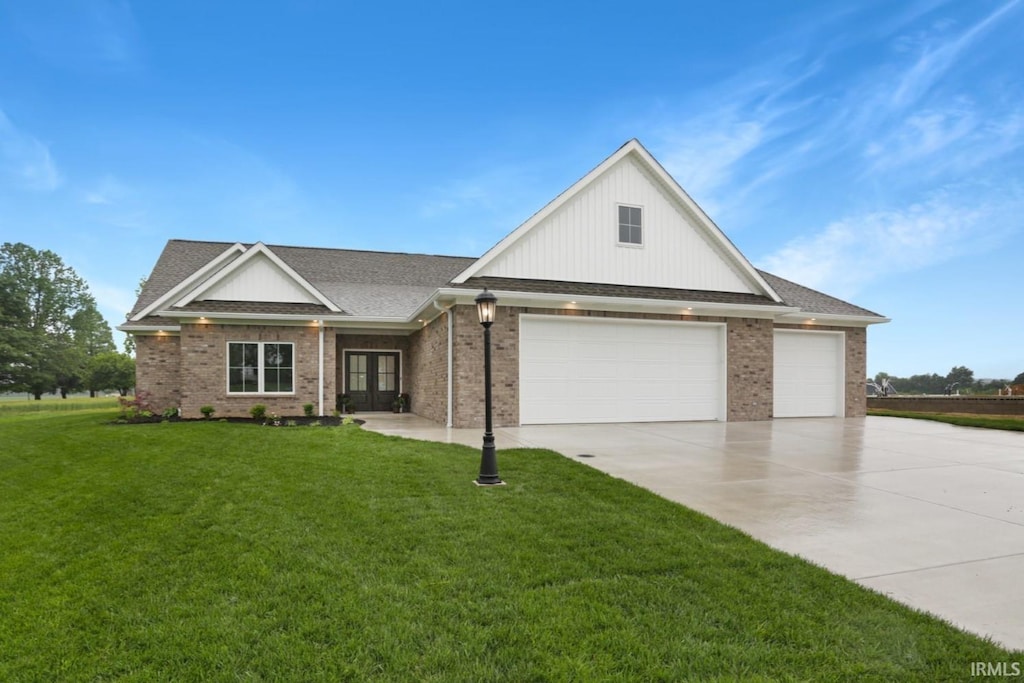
x=583 y=369
x=575 y=370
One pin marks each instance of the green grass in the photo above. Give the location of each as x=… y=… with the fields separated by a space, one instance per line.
x=222 y=552
x=1006 y=422
x=19 y=404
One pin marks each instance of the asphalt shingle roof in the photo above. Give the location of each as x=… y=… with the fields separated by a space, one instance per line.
x=386 y=284
x=811 y=300
x=361 y=283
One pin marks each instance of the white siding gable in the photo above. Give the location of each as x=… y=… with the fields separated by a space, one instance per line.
x=260 y=279
x=578 y=242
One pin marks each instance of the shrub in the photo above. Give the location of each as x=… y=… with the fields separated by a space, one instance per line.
x=290 y=423
x=207 y=411
x=135 y=406
x=258 y=412
x=307 y=409
x=171 y=412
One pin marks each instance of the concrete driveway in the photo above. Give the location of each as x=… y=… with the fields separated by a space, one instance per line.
x=929 y=514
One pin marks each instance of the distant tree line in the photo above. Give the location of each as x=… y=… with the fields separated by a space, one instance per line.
x=959 y=378
x=52 y=337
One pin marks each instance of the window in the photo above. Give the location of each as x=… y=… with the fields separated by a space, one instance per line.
x=630 y=225
x=260 y=368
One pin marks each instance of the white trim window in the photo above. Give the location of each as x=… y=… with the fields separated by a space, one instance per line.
x=631 y=225
x=261 y=368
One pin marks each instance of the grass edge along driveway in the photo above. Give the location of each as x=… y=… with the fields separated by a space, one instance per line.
x=220 y=551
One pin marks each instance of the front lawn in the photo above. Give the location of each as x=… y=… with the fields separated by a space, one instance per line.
x=1014 y=423
x=218 y=551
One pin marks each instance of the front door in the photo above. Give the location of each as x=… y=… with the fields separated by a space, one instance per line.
x=372 y=379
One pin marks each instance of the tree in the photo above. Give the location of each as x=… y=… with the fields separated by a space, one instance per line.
x=961 y=376
x=110 y=370
x=92 y=336
x=39 y=299
x=1019 y=379
x=129 y=339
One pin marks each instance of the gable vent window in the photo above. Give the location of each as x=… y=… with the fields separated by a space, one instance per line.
x=630 y=225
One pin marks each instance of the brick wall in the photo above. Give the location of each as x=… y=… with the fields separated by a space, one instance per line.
x=158 y=369
x=204 y=369
x=468 y=367
x=972 y=405
x=426 y=370
x=751 y=349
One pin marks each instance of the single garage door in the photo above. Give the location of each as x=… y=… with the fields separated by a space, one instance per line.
x=575 y=369
x=809 y=376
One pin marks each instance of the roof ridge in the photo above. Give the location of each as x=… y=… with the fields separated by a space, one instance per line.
x=294 y=246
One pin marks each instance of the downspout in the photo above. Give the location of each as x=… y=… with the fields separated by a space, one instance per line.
x=320 y=375
x=448 y=314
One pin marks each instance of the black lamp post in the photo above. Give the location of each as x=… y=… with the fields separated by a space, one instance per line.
x=486 y=304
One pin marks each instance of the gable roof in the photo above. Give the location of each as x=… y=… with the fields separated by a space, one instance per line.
x=708 y=236
x=355 y=283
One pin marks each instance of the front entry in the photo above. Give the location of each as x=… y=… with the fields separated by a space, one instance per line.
x=372 y=379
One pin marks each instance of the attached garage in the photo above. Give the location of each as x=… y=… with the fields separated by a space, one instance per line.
x=587 y=369
x=809 y=374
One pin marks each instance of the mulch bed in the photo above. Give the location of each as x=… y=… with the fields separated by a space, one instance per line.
x=300 y=421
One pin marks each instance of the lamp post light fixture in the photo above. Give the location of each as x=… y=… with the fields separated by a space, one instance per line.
x=486 y=304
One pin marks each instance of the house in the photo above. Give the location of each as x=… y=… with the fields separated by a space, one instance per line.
x=619 y=301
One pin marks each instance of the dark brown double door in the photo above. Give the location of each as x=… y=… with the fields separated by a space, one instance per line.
x=372 y=379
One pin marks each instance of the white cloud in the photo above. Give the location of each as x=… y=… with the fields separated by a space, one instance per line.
x=851 y=252
x=106 y=191
x=936 y=60
x=24 y=160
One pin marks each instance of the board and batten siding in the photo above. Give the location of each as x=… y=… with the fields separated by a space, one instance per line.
x=579 y=241
x=259 y=280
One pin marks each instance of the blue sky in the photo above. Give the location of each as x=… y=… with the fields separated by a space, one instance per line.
x=872 y=150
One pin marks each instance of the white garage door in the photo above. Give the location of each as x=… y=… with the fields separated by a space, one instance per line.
x=809 y=375
x=613 y=370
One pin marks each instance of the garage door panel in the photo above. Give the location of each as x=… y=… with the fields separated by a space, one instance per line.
x=808 y=374
x=587 y=370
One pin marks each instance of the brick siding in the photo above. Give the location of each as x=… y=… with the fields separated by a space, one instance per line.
x=204 y=369
x=426 y=370
x=750 y=347
x=158 y=369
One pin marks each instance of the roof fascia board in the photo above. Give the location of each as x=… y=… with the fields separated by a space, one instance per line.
x=259 y=248
x=191 y=280
x=583 y=302
x=147 y=329
x=283 y=317
x=839 y=319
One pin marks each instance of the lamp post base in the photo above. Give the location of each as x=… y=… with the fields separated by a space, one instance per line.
x=477 y=482
x=488 y=463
